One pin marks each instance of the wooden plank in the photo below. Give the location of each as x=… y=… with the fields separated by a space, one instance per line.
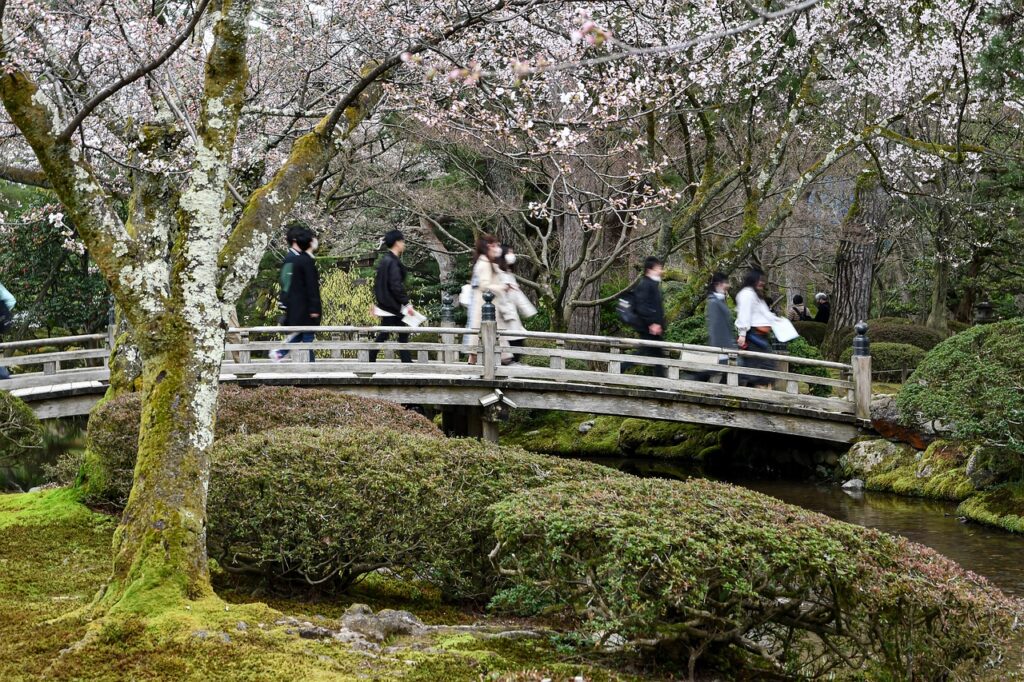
x=56 y=341
x=64 y=378
x=837 y=405
x=63 y=356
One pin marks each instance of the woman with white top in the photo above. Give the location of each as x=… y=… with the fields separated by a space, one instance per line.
x=487 y=277
x=754 y=322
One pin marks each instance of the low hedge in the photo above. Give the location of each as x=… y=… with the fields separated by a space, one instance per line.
x=325 y=506
x=20 y=431
x=889 y=360
x=897 y=332
x=800 y=348
x=972 y=383
x=113 y=432
x=702 y=567
x=811 y=331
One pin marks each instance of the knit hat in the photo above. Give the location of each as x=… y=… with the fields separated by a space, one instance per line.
x=393 y=236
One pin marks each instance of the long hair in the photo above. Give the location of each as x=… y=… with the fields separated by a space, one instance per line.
x=483 y=244
x=751 y=279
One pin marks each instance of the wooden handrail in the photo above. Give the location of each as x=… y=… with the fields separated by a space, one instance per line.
x=56 y=341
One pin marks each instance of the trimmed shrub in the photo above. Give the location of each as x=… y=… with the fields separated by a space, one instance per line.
x=900 y=332
x=891 y=320
x=113 y=432
x=692 y=330
x=810 y=331
x=20 y=431
x=972 y=382
x=326 y=506
x=889 y=360
x=703 y=567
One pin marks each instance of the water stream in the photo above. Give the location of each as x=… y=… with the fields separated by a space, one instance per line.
x=996 y=554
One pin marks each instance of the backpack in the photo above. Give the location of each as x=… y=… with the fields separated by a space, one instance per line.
x=6 y=317
x=626 y=308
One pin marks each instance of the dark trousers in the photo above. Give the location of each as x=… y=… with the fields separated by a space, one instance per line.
x=517 y=343
x=758 y=343
x=381 y=337
x=4 y=374
x=300 y=337
x=651 y=352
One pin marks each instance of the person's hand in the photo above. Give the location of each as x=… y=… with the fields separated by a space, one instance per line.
x=742 y=341
x=655 y=329
x=314 y=315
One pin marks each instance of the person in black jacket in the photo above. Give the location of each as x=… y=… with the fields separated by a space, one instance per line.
x=824 y=308
x=389 y=291
x=650 y=310
x=300 y=288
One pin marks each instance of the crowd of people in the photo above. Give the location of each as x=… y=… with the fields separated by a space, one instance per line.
x=642 y=307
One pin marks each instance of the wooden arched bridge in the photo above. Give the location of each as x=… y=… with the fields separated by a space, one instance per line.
x=61 y=377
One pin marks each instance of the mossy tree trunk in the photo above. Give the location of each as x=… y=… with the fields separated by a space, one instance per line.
x=175 y=267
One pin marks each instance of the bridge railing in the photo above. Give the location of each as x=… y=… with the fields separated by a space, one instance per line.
x=543 y=356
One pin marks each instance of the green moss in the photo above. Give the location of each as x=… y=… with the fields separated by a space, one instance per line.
x=46 y=507
x=940 y=472
x=557 y=433
x=1002 y=507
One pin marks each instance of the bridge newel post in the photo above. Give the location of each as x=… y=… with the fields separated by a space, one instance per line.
x=861 y=366
x=488 y=335
x=448 y=356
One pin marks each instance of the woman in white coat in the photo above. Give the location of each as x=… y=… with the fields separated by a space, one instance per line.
x=486 y=277
x=754 y=321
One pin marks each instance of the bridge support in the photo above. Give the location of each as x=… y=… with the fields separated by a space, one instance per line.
x=862 y=372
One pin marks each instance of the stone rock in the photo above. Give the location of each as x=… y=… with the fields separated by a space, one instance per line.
x=225 y=637
x=242 y=626
x=586 y=427
x=888 y=422
x=869 y=456
x=854 y=484
x=386 y=623
x=201 y=634
x=316 y=632
x=988 y=466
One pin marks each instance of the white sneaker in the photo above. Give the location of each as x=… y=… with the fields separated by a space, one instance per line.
x=276 y=356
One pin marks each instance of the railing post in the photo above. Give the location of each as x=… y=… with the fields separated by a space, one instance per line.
x=488 y=335
x=448 y=357
x=862 y=371
x=244 y=356
x=335 y=352
x=732 y=378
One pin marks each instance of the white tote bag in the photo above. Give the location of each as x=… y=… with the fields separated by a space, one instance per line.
x=784 y=330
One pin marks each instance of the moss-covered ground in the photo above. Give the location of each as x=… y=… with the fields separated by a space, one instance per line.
x=940 y=472
x=55 y=555
x=1002 y=506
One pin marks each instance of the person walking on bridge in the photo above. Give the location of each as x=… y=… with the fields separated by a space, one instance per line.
x=754 y=322
x=649 y=309
x=300 y=287
x=719 y=319
x=7 y=303
x=390 y=294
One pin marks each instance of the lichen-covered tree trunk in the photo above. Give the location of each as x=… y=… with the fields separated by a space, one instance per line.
x=938 y=312
x=161 y=542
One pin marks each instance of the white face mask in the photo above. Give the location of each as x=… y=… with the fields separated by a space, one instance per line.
x=656 y=278
x=510 y=258
x=719 y=295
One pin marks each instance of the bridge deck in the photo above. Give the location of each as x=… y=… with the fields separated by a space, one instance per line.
x=563 y=375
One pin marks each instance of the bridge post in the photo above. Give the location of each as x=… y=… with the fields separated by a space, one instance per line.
x=488 y=335
x=862 y=371
x=448 y=357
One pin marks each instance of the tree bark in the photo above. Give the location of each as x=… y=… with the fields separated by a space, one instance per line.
x=938 y=312
x=855 y=263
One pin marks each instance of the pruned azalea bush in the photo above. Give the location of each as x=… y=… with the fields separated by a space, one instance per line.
x=113 y=434
x=324 y=507
x=703 y=568
x=890 y=360
x=974 y=383
x=20 y=430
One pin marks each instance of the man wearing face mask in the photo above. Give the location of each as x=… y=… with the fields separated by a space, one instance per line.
x=300 y=288
x=719 y=318
x=650 y=312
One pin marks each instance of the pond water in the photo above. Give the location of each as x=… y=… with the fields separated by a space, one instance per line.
x=996 y=554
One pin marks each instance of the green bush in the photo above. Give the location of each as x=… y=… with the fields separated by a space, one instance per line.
x=972 y=382
x=700 y=566
x=810 y=331
x=900 y=332
x=20 y=431
x=800 y=348
x=113 y=432
x=327 y=506
x=692 y=330
x=891 y=320
x=889 y=360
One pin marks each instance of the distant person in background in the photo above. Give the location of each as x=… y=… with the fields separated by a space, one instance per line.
x=721 y=332
x=7 y=303
x=650 y=312
x=300 y=288
x=798 y=312
x=389 y=292
x=824 y=308
x=754 y=322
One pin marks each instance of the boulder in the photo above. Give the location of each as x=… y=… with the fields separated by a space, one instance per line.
x=854 y=484
x=869 y=456
x=586 y=427
x=386 y=623
x=889 y=423
x=988 y=466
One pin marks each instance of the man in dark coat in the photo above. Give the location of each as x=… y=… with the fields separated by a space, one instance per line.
x=300 y=288
x=389 y=291
x=721 y=330
x=824 y=308
x=649 y=308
